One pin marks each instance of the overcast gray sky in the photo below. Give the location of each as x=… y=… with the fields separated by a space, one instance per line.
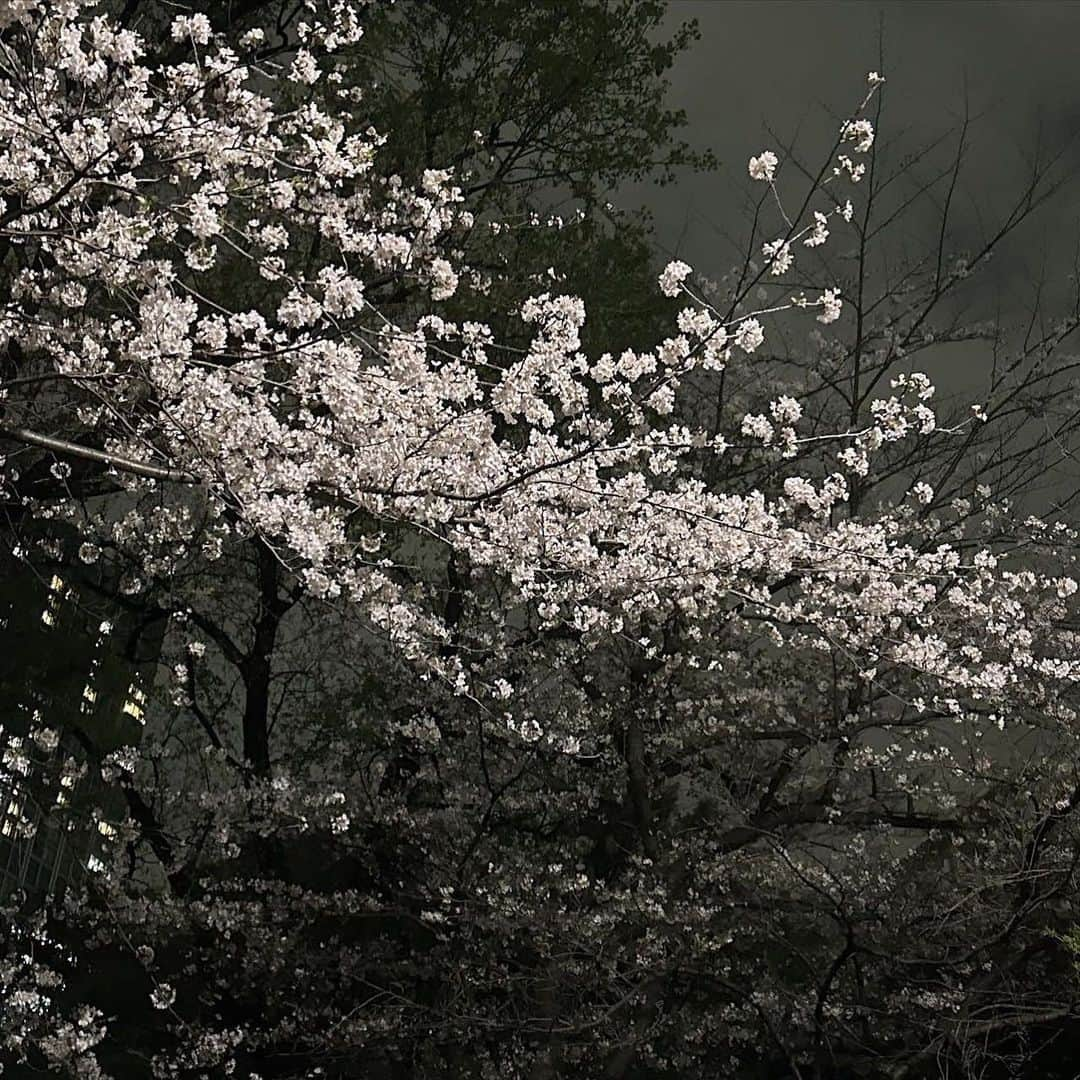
x=789 y=63
x=800 y=65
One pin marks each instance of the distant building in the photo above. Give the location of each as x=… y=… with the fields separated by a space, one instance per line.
x=65 y=687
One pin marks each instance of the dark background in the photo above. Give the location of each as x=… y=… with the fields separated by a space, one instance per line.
x=791 y=64
x=766 y=73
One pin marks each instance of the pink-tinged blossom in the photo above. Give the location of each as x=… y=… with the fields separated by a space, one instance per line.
x=763 y=167
x=786 y=410
x=196 y=26
x=820 y=233
x=758 y=427
x=535 y=556
x=831 y=306
x=855 y=171
x=778 y=256
x=748 y=335
x=671 y=280
x=304 y=69
x=860 y=132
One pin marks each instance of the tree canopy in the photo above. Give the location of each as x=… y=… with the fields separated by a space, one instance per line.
x=672 y=694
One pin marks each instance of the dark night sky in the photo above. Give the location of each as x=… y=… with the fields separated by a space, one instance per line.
x=791 y=64
x=799 y=67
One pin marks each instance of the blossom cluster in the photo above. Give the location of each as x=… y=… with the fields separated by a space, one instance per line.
x=593 y=578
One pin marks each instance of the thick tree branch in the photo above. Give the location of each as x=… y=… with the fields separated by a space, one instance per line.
x=88 y=453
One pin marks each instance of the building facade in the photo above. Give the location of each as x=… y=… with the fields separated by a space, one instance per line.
x=71 y=699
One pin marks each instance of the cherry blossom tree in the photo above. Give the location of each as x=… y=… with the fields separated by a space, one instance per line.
x=645 y=743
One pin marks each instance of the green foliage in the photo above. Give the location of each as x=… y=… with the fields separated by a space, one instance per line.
x=543 y=110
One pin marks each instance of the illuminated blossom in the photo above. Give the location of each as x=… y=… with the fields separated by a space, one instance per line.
x=763 y=167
